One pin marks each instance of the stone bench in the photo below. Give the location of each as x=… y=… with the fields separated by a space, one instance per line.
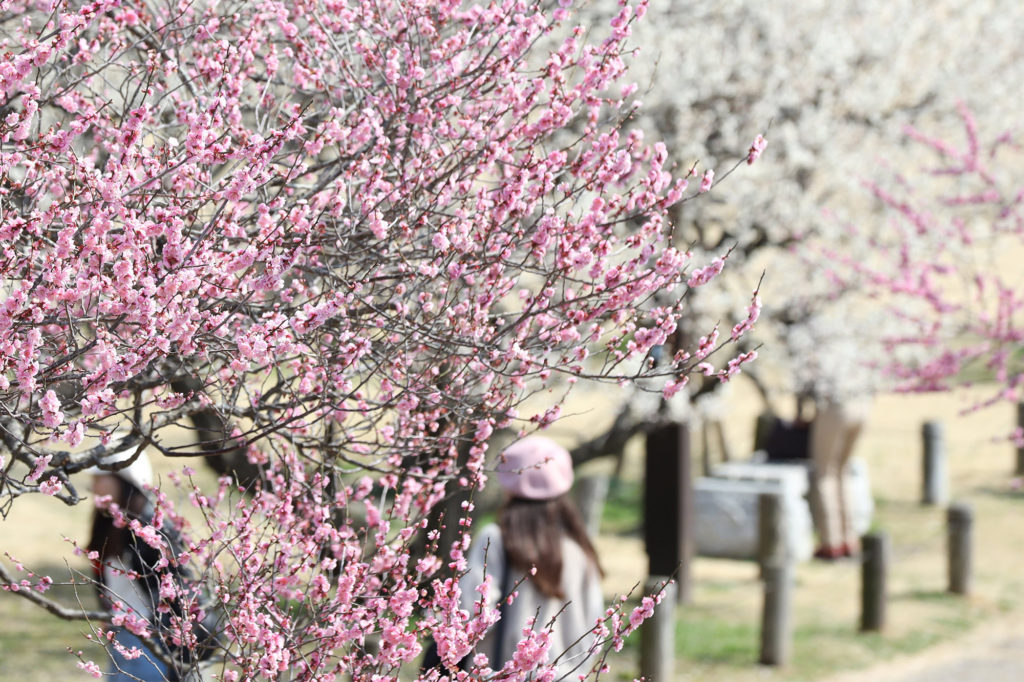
x=792 y=477
x=858 y=485
x=858 y=490
x=726 y=516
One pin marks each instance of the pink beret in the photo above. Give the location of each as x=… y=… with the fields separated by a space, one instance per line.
x=535 y=468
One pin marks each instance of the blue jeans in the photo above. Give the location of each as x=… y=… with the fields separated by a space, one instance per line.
x=146 y=667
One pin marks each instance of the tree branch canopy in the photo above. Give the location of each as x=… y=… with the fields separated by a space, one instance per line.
x=344 y=240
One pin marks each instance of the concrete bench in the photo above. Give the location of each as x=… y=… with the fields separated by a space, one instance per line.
x=794 y=481
x=726 y=517
x=858 y=491
x=792 y=477
x=858 y=487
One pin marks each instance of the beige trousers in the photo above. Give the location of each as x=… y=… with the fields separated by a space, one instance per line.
x=834 y=432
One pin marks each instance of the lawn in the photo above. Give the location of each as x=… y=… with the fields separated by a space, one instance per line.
x=718 y=633
x=717 y=637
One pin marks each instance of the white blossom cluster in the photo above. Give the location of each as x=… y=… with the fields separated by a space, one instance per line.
x=831 y=85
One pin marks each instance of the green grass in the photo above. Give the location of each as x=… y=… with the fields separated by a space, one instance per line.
x=34 y=645
x=821 y=648
x=977 y=371
x=718 y=636
x=623 y=509
x=715 y=643
x=705 y=638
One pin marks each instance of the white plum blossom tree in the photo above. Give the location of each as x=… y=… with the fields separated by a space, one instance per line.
x=831 y=86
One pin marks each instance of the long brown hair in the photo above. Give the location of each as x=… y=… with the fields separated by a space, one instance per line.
x=531 y=534
x=105 y=538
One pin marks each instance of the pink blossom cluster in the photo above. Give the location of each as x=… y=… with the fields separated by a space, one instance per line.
x=940 y=264
x=756 y=148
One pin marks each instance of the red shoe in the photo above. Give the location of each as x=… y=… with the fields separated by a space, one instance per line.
x=829 y=553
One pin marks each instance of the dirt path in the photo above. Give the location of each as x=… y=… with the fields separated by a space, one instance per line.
x=992 y=653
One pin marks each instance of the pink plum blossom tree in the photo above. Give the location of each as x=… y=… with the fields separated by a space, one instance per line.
x=946 y=261
x=347 y=240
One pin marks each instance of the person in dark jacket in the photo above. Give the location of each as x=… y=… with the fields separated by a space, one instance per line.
x=117 y=555
x=132 y=571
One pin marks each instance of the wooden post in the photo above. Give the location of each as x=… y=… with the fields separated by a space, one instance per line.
x=873 y=591
x=777 y=573
x=658 y=634
x=1020 y=448
x=668 y=505
x=959 y=519
x=591 y=493
x=935 y=479
x=763 y=429
x=770 y=547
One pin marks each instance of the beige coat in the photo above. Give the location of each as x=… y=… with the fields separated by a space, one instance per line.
x=583 y=606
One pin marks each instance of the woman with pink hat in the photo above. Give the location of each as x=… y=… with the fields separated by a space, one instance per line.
x=540 y=539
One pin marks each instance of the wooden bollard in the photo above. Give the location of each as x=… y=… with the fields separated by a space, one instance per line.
x=935 y=475
x=959 y=519
x=763 y=429
x=874 y=567
x=777 y=574
x=668 y=505
x=771 y=540
x=591 y=493
x=658 y=633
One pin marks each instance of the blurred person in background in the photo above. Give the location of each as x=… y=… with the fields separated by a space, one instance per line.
x=834 y=432
x=538 y=527
x=125 y=565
